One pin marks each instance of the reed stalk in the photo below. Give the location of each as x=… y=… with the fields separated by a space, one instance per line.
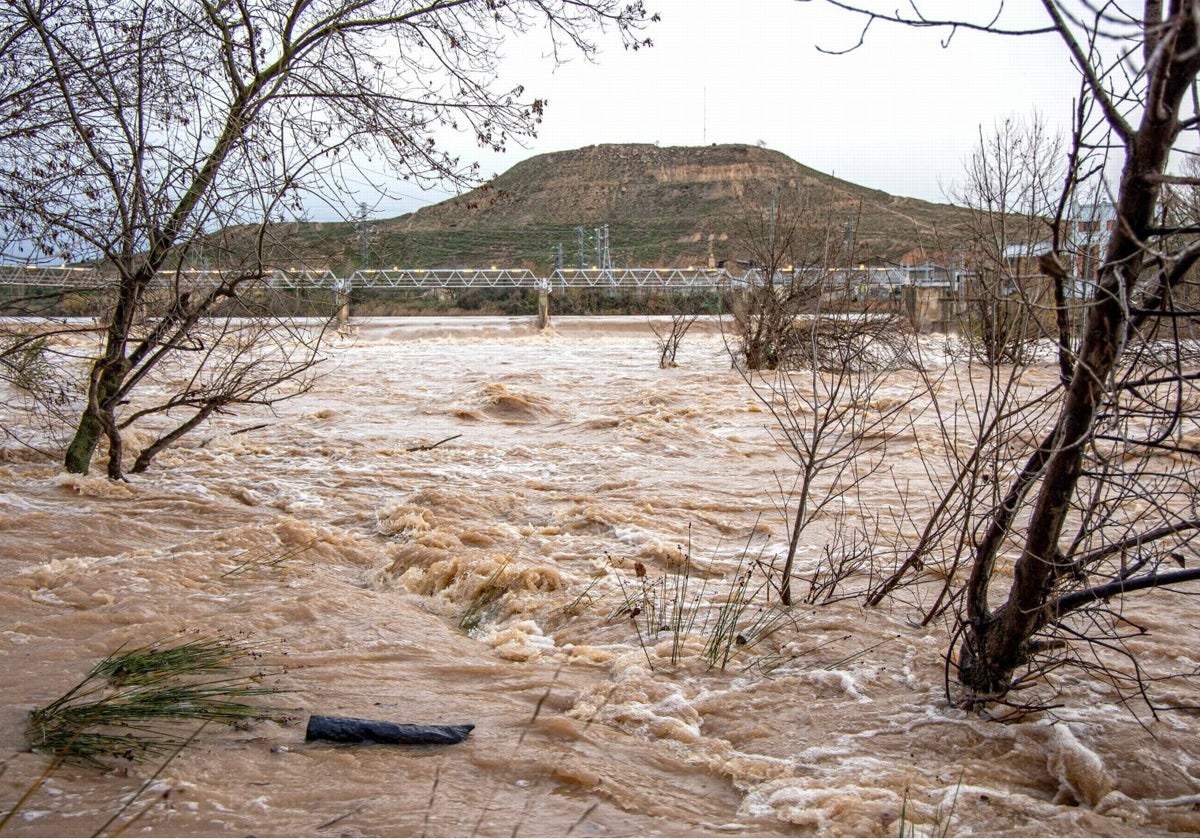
x=126 y=707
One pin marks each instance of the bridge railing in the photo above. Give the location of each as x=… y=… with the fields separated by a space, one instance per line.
x=394 y=278
x=445 y=278
x=55 y=277
x=641 y=278
x=450 y=278
x=76 y=277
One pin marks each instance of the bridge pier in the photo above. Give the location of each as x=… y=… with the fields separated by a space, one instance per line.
x=341 y=297
x=343 y=316
x=543 y=312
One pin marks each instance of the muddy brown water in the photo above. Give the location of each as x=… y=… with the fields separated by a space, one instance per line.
x=577 y=458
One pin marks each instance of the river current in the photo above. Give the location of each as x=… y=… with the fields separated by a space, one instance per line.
x=454 y=526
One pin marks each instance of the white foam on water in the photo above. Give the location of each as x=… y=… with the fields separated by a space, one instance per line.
x=582 y=479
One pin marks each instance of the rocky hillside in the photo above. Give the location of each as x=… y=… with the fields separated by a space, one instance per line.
x=662 y=207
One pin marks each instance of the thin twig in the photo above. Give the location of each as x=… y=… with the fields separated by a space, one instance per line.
x=349 y=813
x=582 y=817
x=427 y=446
x=437 y=778
x=249 y=429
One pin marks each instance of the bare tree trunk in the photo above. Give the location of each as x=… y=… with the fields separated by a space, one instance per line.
x=108 y=374
x=83 y=444
x=996 y=644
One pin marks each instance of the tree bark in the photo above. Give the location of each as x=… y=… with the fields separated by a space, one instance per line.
x=108 y=375
x=83 y=444
x=97 y=419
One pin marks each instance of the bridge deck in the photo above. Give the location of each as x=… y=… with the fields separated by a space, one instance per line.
x=463 y=278
x=406 y=278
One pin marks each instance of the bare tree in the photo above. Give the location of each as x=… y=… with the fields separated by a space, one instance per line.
x=1013 y=185
x=132 y=130
x=670 y=336
x=1104 y=503
x=817 y=346
x=786 y=248
x=255 y=348
x=836 y=430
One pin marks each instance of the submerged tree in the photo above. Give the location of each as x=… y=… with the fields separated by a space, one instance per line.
x=1014 y=183
x=817 y=345
x=133 y=131
x=1105 y=503
x=790 y=248
x=837 y=430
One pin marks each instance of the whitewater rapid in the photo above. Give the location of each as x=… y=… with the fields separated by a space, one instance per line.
x=537 y=482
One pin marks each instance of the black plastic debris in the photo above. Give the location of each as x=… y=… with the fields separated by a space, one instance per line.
x=343 y=730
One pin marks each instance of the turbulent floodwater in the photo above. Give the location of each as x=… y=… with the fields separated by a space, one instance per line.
x=578 y=465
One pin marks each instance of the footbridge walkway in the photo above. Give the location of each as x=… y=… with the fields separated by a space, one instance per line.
x=21 y=278
x=662 y=279
x=405 y=278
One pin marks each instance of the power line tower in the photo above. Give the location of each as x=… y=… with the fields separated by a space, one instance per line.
x=603 y=252
x=364 y=235
x=601 y=245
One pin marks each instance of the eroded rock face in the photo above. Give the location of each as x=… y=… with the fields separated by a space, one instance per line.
x=634 y=181
x=695 y=190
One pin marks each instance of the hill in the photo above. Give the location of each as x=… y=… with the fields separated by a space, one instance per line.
x=661 y=206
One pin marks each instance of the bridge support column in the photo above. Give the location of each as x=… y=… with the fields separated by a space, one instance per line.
x=341 y=297
x=543 y=313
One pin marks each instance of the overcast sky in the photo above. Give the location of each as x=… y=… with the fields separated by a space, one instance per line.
x=899 y=114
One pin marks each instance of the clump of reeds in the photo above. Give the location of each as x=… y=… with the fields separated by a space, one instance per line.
x=127 y=705
x=485 y=601
x=737 y=623
x=671 y=604
x=665 y=604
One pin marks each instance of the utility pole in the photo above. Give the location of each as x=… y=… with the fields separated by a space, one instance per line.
x=582 y=264
x=559 y=255
x=599 y=257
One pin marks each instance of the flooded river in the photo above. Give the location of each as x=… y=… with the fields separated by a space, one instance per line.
x=463 y=523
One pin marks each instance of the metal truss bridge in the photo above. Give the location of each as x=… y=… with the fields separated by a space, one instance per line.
x=669 y=279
